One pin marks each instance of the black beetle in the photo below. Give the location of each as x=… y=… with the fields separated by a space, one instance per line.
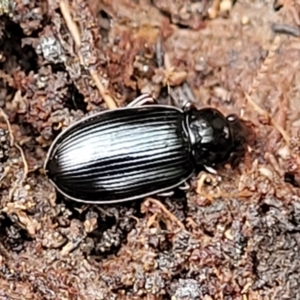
x=140 y=150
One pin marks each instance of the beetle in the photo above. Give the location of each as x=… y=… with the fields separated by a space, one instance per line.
x=140 y=150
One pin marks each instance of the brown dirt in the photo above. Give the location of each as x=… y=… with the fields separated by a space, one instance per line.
x=236 y=235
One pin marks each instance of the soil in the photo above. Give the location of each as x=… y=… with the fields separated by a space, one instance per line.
x=234 y=234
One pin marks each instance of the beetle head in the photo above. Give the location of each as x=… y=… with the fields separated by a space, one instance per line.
x=215 y=139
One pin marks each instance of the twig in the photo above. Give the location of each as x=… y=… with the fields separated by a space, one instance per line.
x=286 y=29
x=164 y=210
x=264 y=67
x=5 y=117
x=65 y=10
x=5 y=173
x=255 y=84
x=24 y=162
x=214 y=9
x=11 y=192
x=73 y=28
x=272 y=121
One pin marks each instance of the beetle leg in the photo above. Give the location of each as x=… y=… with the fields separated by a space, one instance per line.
x=184 y=187
x=188 y=105
x=210 y=169
x=166 y=194
x=141 y=100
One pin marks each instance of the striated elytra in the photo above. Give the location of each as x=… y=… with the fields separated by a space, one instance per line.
x=133 y=152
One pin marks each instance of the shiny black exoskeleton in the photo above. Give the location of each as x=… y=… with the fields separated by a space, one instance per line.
x=133 y=152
